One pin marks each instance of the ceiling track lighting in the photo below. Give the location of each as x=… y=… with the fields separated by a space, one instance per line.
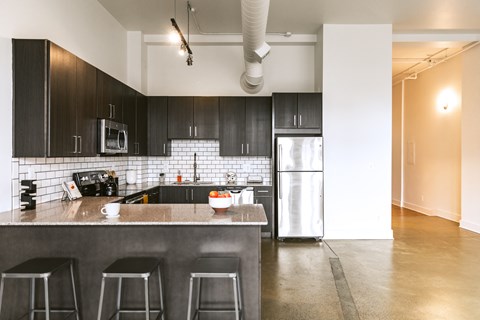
x=184 y=46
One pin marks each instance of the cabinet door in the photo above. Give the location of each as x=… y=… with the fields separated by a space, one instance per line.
x=200 y=194
x=180 y=117
x=129 y=107
x=158 y=143
x=267 y=206
x=310 y=110
x=205 y=115
x=258 y=126
x=86 y=109
x=29 y=94
x=232 y=126
x=109 y=97
x=142 y=125
x=285 y=106
x=104 y=93
x=175 y=194
x=62 y=125
x=118 y=91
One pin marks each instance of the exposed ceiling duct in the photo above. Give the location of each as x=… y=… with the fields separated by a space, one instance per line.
x=255 y=49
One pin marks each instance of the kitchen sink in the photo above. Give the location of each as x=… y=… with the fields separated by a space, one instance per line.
x=187 y=183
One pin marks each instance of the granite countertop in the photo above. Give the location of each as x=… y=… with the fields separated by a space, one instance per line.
x=86 y=211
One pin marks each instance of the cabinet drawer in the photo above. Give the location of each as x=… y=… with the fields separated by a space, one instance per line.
x=263 y=191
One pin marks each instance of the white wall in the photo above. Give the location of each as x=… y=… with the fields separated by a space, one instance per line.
x=217 y=69
x=471 y=141
x=83 y=27
x=5 y=123
x=397 y=103
x=432 y=140
x=357 y=131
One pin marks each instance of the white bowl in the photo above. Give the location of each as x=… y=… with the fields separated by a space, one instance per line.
x=220 y=204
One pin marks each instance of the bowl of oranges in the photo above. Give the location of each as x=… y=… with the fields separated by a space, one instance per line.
x=220 y=201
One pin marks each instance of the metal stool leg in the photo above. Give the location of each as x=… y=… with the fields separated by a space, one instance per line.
x=119 y=298
x=31 y=313
x=161 y=291
x=147 y=300
x=190 y=292
x=199 y=295
x=47 y=299
x=1 y=293
x=240 y=296
x=74 y=291
x=100 y=304
x=235 y=297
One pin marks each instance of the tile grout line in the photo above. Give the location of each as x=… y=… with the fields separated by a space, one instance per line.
x=349 y=309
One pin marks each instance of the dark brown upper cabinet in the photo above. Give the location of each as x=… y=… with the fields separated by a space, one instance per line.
x=54 y=109
x=158 y=143
x=245 y=126
x=135 y=116
x=110 y=93
x=298 y=110
x=193 y=118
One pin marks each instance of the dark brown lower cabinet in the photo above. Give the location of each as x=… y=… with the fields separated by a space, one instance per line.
x=184 y=194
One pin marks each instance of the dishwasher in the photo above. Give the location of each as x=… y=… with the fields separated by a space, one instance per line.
x=240 y=195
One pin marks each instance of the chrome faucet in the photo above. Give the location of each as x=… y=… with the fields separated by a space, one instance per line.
x=195 y=178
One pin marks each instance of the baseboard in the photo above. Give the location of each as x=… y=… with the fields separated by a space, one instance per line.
x=431 y=212
x=358 y=234
x=396 y=202
x=469 y=226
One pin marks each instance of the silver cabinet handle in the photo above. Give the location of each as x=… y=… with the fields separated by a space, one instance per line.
x=75 y=141
x=294 y=120
x=110 y=111
x=248 y=152
x=114 y=107
x=195 y=131
x=242 y=148
x=262 y=191
x=164 y=149
x=80 y=144
x=191 y=191
x=190 y=131
x=186 y=195
x=300 y=120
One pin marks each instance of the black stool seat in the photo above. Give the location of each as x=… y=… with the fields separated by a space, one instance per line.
x=131 y=268
x=40 y=268
x=36 y=268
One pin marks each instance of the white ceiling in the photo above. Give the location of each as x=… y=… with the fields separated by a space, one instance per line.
x=452 y=17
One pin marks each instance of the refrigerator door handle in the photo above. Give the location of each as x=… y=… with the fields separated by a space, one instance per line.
x=279 y=167
x=279 y=187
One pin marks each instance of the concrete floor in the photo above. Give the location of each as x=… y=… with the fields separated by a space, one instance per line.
x=431 y=271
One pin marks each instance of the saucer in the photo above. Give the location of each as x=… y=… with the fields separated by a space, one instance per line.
x=115 y=216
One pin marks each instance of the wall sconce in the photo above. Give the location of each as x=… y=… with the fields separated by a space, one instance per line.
x=184 y=46
x=447 y=99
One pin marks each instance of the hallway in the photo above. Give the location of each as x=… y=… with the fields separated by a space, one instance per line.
x=429 y=272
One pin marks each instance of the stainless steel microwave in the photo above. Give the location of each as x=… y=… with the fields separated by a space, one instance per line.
x=112 y=137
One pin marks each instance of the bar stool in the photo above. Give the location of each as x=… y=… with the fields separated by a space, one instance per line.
x=142 y=267
x=215 y=268
x=40 y=268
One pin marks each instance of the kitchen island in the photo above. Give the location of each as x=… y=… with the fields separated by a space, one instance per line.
x=175 y=233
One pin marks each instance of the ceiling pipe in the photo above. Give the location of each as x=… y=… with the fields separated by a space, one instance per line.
x=255 y=49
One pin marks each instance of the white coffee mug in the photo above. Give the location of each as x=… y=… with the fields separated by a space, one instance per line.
x=111 y=209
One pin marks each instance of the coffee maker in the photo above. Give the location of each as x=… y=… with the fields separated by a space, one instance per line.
x=111 y=186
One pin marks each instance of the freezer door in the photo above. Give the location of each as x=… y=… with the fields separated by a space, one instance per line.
x=300 y=204
x=299 y=154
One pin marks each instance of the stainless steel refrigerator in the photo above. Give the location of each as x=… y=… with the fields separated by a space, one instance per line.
x=299 y=174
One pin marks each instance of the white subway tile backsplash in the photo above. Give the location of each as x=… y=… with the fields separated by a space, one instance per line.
x=51 y=172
